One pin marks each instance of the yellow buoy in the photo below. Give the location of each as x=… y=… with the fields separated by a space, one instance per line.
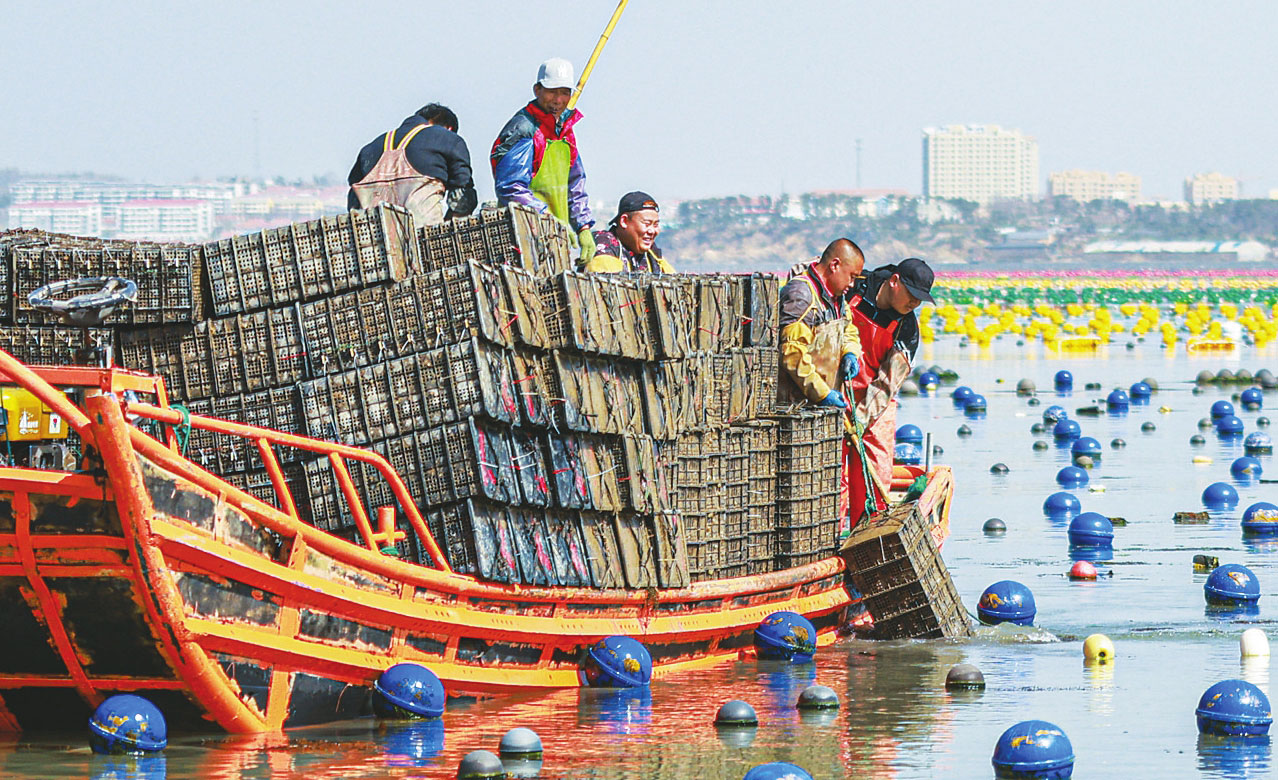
x=1098 y=649
x=1202 y=459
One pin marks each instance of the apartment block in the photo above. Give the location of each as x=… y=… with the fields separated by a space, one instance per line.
x=980 y=163
x=1087 y=186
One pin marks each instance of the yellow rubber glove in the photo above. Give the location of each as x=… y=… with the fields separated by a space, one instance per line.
x=587 y=241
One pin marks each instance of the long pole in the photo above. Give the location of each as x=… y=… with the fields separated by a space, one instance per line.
x=594 y=55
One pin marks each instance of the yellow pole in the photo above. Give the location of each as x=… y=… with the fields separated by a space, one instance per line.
x=594 y=55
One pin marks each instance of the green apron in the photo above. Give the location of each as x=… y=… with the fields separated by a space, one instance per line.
x=550 y=185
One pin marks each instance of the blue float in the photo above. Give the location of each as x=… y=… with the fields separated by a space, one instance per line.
x=929 y=381
x=1260 y=519
x=1033 y=749
x=127 y=724
x=1054 y=414
x=1221 y=408
x=1066 y=430
x=961 y=394
x=1246 y=467
x=1062 y=504
x=1139 y=391
x=1252 y=399
x=1258 y=443
x=1118 y=400
x=786 y=636
x=1091 y=529
x=1006 y=601
x=777 y=770
x=408 y=691
x=1086 y=445
x=910 y=434
x=1071 y=476
x=975 y=402
x=1064 y=380
x=617 y=662
x=907 y=454
x=1234 y=708
x=1229 y=425
x=1231 y=585
x=1220 y=495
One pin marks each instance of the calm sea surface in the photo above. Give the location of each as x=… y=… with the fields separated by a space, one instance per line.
x=1134 y=718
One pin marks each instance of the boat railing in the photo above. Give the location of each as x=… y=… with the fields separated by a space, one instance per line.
x=265 y=439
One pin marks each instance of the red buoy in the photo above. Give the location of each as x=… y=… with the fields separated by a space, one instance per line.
x=1082 y=570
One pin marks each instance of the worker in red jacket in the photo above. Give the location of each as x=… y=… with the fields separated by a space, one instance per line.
x=882 y=306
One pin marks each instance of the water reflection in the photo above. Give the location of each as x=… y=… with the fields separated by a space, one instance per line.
x=1234 y=756
x=1100 y=683
x=152 y=767
x=617 y=710
x=1255 y=670
x=411 y=743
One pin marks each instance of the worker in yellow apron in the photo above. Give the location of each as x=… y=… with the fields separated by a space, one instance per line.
x=535 y=160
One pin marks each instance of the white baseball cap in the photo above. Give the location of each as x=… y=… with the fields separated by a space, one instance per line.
x=555 y=73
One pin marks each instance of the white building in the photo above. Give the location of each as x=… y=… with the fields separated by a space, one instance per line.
x=77 y=218
x=166 y=219
x=1087 y=186
x=980 y=163
x=1210 y=187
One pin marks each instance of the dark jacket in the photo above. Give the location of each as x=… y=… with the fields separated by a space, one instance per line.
x=907 y=333
x=436 y=152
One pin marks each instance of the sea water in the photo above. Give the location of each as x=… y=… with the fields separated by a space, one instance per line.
x=1132 y=718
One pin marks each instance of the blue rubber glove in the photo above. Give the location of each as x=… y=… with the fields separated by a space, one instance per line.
x=849 y=367
x=834 y=398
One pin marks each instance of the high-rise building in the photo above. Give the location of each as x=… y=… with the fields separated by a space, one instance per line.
x=1209 y=187
x=979 y=163
x=1087 y=186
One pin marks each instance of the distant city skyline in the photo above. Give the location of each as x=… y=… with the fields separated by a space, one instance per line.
x=688 y=101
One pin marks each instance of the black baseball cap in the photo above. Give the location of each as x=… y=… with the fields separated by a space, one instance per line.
x=917 y=278
x=635 y=201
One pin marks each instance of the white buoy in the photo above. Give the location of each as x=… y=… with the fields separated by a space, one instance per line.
x=1254 y=643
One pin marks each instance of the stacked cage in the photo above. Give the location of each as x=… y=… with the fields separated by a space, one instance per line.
x=808 y=450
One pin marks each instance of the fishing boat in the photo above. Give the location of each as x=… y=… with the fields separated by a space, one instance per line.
x=144 y=573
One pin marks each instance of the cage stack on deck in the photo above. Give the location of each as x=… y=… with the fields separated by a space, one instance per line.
x=555 y=427
x=894 y=563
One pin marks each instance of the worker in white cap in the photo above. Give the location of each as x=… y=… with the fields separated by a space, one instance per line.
x=535 y=160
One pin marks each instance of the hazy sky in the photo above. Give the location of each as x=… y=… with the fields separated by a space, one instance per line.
x=690 y=99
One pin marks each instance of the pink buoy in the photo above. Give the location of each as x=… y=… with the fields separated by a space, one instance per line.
x=1082 y=570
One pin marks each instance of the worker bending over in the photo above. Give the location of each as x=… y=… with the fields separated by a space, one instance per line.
x=882 y=307
x=630 y=242
x=423 y=166
x=819 y=340
x=535 y=160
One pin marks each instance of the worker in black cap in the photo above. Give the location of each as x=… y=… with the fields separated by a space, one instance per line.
x=882 y=306
x=629 y=243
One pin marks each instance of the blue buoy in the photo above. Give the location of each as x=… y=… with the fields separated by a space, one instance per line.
x=1091 y=529
x=1230 y=585
x=617 y=662
x=975 y=402
x=1258 y=444
x=1234 y=708
x=1140 y=391
x=1006 y=601
x=786 y=636
x=960 y=395
x=777 y=770
x=1260 y=519
x=1054 y=414
x=1086 y=445
x=910 y=434
x=929 y=381
x=1252 y=399
x=1066 y=430
x=1246 y=467
x=1071 y=476
x=1220 y=495
x=907 y=454
x=1221 y=408
x=127 y=724
x=1118 y=400
x=1229 y=425
x=1034 y=749
x=1062 y=504
x=408 y=690
x=1064 y=380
